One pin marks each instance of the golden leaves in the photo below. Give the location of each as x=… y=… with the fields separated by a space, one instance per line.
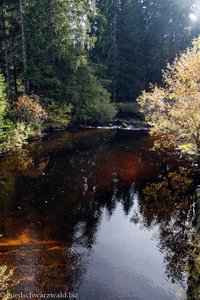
x=6 y=276
x=29 y=108
x=174 y=110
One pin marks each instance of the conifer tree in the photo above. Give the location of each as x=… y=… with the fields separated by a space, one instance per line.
x=105 y=52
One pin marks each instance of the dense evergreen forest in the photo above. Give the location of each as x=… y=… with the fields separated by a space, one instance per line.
x=68 y=59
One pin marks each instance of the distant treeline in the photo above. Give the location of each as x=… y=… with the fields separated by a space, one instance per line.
x=137 y=38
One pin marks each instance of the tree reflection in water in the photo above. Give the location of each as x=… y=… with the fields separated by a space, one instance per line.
x=168 y=203
x=53 y=195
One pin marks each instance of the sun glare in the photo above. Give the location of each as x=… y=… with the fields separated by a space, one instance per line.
x=193 y=17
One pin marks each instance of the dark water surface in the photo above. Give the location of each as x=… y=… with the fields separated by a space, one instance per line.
x=94 y=212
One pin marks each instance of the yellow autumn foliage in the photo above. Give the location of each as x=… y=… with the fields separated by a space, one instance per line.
x=6 y=277
x=173 y=111
x=29 y=109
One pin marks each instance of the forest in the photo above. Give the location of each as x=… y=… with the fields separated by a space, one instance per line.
x=99 y=149
x=72 y=62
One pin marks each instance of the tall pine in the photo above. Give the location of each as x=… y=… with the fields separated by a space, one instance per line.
x=105 y=53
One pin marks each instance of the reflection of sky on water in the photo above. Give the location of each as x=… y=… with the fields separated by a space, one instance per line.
x=129 y=256
x=74 y=215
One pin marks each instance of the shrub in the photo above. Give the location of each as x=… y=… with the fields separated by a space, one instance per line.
x=59 y=115
x=91 y=100
x=173 y=111
x=15 y=135
x=99 y=110
x=129 y=109
x=28 y=110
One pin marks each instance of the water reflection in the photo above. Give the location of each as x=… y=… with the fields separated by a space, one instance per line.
x=168 y=203
x=57 y=194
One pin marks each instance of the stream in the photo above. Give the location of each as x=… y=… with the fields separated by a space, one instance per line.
x=97 y=214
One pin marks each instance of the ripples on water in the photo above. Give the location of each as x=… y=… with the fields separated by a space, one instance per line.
x=95 y=212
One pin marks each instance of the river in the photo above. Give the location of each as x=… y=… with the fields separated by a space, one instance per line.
x=95 y=213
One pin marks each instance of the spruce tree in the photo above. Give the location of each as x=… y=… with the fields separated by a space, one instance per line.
x=105 y=53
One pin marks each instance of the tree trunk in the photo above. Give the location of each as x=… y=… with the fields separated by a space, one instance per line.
x=5 y=49
x=24 y=54
x=15 y=73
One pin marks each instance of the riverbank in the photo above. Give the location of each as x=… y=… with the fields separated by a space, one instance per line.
x=127 y=118
x=129 y=110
